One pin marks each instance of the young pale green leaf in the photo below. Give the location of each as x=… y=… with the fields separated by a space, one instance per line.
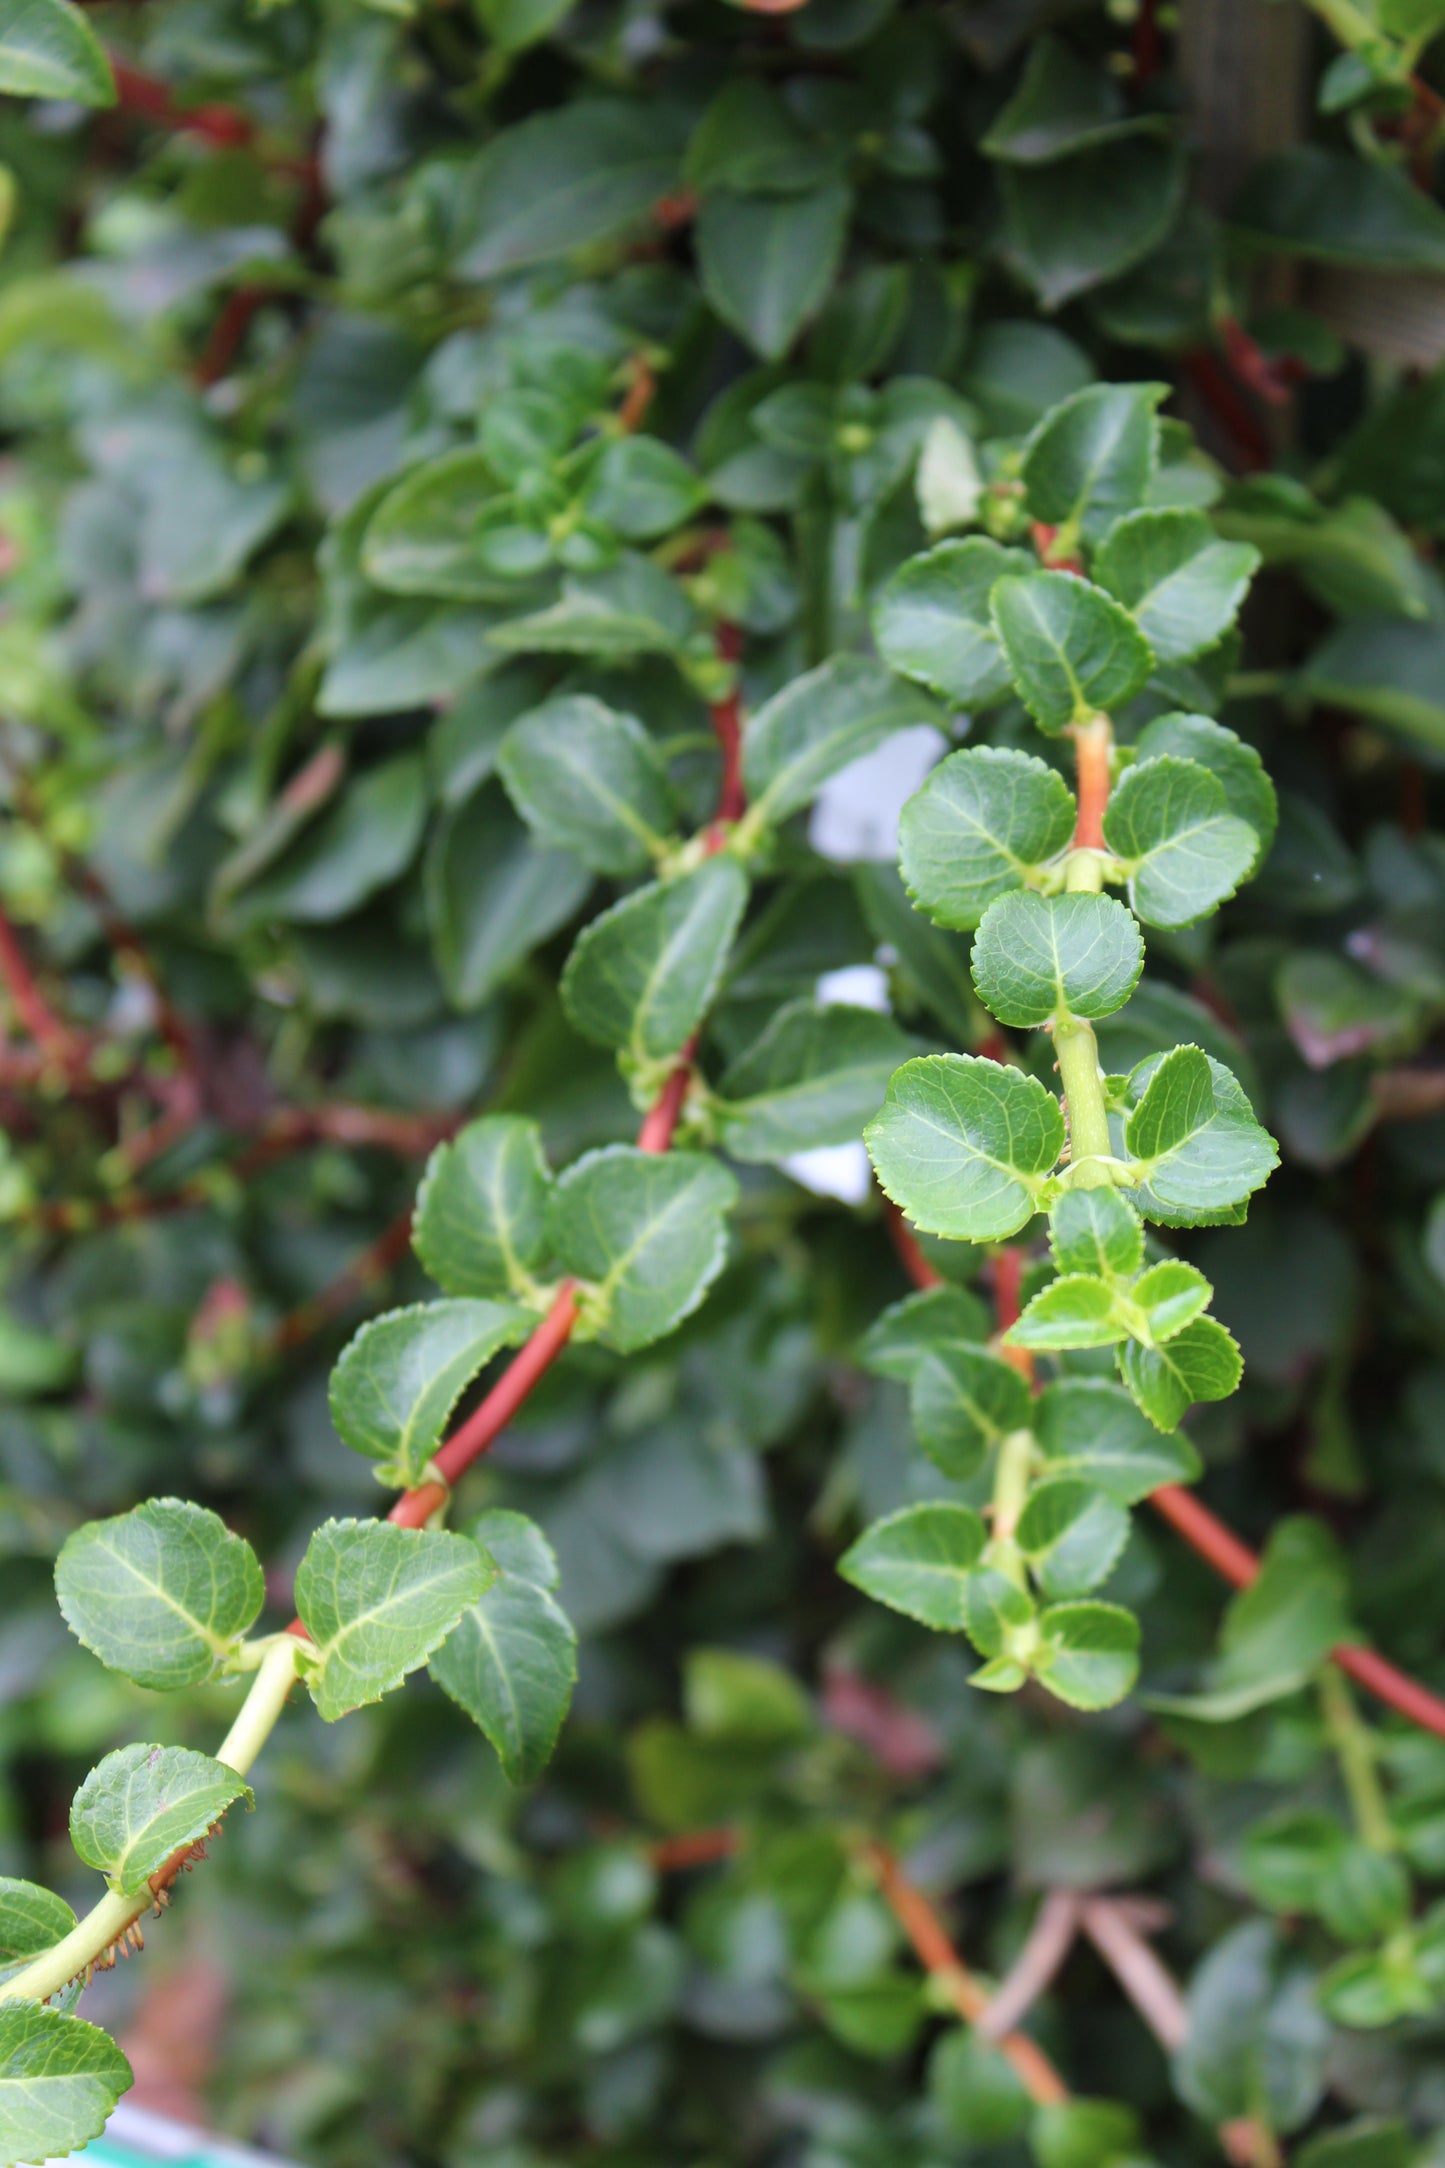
x=1036 y=958
x=1248 y=791
x=1094 y=1230
x=589 y=780
x=648 y=1231
x=767 y=262
x=1171 y=1294
x=919 y=1562
x=1072 y=649
x=1092 y=459
x=1075 y=1311
x=1090 y=1427
x=933 y=1320
x=48 y=50
x=1200 y=1363
x=60 y=2077
x=1071 y=1534
x=1182 y=850
x=481 y=1211
x=376 y=1600
x=983 y=823
x=1089 y=1655
x=511 y=1661
x=963 y=1401
x=813 y=1078
x=965 y=1146
x=817 y=725
x=143 y=1803
x=642 y=975
x=1178 y=581
x=394 y=1388
x=1197 y=1149
x=932 y=620
x=32 y=1919
x=162 y=1593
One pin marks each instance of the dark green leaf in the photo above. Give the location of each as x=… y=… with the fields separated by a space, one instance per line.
x=376 y=1600
x=1072 y=650
x=642 y=975
x=511 y=1662
x=768 y=261
x=649 y=1232
x=932 y=620
x=481 y=1209
x=814 y=1078
x=588 y=779
x=397 y=1382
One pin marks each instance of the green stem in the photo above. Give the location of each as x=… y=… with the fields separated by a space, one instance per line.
x=1010 y=1491
x=106 y=1922
x=1077 y=1053
x=1355 y=1749
x=1084 y=873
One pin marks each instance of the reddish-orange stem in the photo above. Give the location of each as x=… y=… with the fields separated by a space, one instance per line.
x=1092 y=743
x=641 y=392
x=694 y=1848
x=727 y=725
x=936 y=1953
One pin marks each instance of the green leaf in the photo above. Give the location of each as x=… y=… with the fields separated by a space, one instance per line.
x=1179 y=582
x=1257 y=2039
x=48 y=50
x=1071 y=1534
x=1072 y=650
x=1072 y=224
x=1334 y=1010
x=1368 y=2143
x=965 y=1146
x=59 y=2080
x=748 y=1699
x=767 y=262
x=1182 y=850
x=1288 y=1858
x=974 y=2089
x=397 y=1382
x=935 y=1319
x=376 y=1600
x=1060 y=105
x=429 y=535
x=492 y=896
x=817 y=725
x=643 y=975
x=1091 y=459
x=932 y=620
x=1037 y=958
x=32 y=1919
x=589 y=780
x=1089 y=1427
x=1075 y=1311
x=814 y=1078
x=647 y=1231
x=511 y=1661
x=749 y=139
x=999 y=1616
x=142 y=1803
x=1323 y=204
x=1386 y=669
x=163 y=1593
x=564 y=180
x=633 y=608
x=1248 y=791
x=641 y=489
x=963 y=1401
x=919 y=1562
x=1094 y=1230
x=1171 y=1294
x=360 y=845
x=480 y=1225
x=984 y=822
x=1089 y=1654
x=1200 y=1363
x=1279 y=1630
x=1197 y=1148
x=1086 y=2134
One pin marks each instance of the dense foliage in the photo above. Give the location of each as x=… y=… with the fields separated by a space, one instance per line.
x=503 y=501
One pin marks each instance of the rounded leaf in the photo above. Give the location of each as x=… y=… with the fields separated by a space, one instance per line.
x=964 y=1146
x=986 y=819
x=1037 y=958
x=162 y=1593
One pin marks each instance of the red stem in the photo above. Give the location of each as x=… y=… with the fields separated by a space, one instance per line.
x=1091 y=752
x=34 y=1011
